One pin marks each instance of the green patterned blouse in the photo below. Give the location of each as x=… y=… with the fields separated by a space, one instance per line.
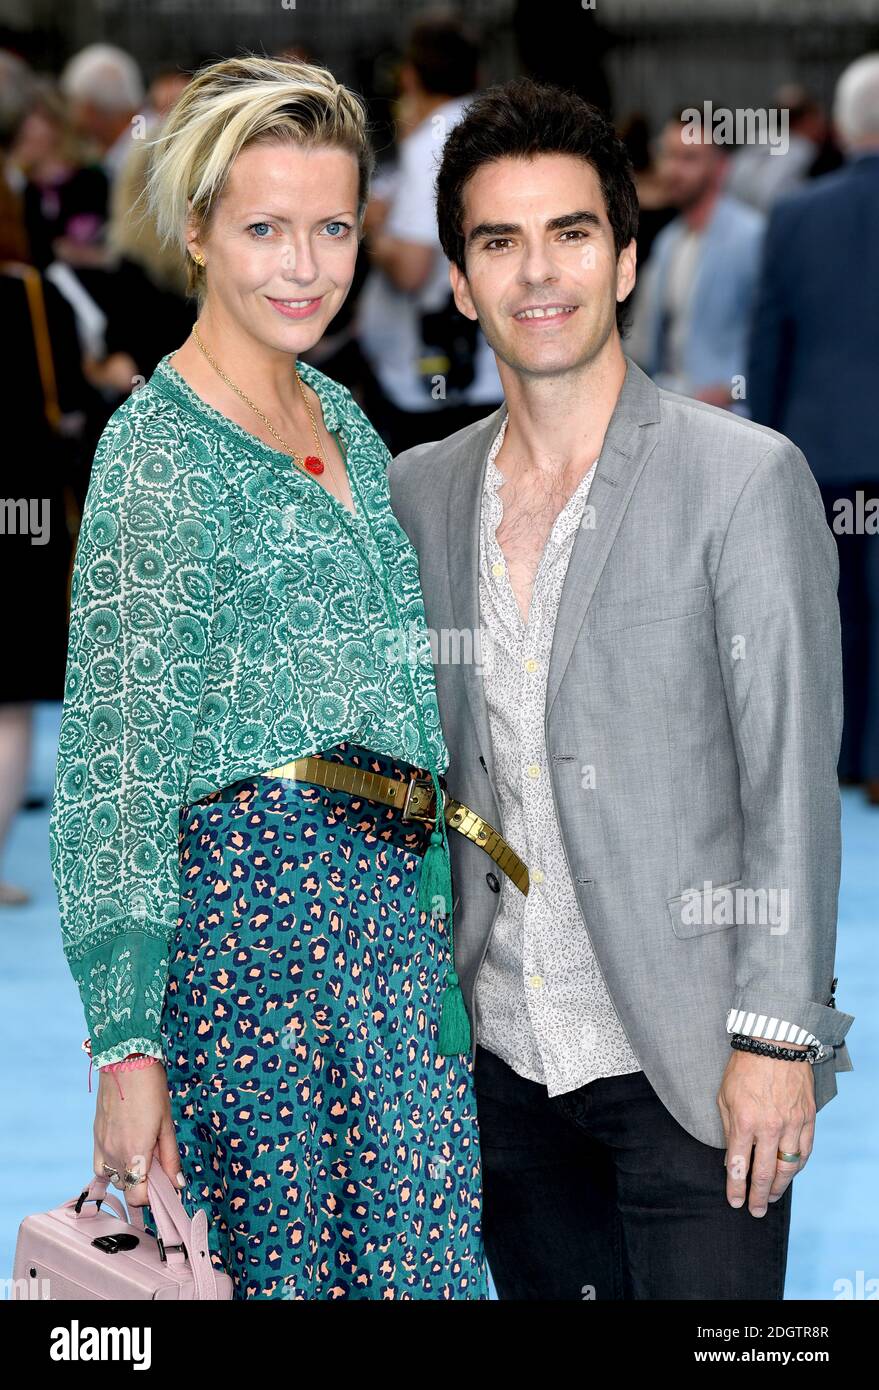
x=226 y=615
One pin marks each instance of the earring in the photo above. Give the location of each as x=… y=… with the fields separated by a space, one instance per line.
x=198 y=258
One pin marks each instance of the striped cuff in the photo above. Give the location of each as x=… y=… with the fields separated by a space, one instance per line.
x=778 y=1030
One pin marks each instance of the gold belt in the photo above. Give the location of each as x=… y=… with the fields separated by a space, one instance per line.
x=415 y=799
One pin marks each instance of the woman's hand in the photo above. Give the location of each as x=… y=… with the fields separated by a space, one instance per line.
x=128 y=1130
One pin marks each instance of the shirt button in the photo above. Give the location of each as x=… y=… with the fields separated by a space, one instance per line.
x=533 y=769
x=498 y=568
x=537 y=876
x=531 y=664
x=536 y=981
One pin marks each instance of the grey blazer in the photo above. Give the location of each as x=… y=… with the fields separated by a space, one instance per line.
x=696 y=673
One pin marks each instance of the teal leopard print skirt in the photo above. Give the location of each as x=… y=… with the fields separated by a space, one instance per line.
x=335 y=1151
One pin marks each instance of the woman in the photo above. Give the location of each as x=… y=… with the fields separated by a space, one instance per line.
x=240 y=591
x=44 y=398
x=65 y=196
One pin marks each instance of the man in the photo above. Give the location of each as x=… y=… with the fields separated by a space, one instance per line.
x=653 y=724
x=691 y=317
x=812 y=374
x=761 y=173
x=433 y=371
x=105 y=89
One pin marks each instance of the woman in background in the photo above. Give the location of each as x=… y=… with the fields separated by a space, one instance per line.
x=43 y=401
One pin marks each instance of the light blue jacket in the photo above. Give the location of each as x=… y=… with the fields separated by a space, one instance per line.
x=720 y=307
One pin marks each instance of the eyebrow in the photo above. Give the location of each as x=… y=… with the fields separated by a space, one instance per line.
x=276 y=216
x=555 y=224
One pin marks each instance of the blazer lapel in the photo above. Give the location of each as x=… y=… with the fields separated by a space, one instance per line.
x=462 y=548
x=630 y=439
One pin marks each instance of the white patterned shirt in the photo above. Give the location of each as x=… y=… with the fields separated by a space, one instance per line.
x=542 y=1004
x=541 y=1001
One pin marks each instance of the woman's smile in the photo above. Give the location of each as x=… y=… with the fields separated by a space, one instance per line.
x=296 y=308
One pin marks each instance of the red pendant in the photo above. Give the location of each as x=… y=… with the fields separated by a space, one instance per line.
x=314 y=464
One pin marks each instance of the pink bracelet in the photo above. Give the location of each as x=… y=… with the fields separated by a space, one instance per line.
x=135 y=1061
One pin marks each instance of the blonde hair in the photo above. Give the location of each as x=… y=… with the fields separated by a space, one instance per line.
x=232 y=104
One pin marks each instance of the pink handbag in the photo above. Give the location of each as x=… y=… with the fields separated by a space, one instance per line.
x=78 y=1251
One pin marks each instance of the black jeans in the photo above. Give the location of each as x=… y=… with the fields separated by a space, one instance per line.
x=600 y=1193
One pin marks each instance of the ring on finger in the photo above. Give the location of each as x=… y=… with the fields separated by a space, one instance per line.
x=789 y=1158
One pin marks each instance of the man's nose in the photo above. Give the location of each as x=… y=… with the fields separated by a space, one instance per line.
x=537 y=265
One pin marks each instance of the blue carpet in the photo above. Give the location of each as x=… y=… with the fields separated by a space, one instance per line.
x=46 y=1140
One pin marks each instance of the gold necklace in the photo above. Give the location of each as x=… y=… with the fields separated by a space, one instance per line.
x=310 y=463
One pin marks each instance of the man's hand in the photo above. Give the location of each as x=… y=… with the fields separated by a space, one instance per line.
x=771 y=1104
x=407 y=264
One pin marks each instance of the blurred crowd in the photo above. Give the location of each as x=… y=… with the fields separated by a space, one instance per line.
x=758 y=292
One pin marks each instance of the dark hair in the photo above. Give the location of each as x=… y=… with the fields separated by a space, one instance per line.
x=523 y=118
x=681 y=115
x=445 y=54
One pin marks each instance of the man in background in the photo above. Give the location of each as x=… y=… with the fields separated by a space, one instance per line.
x=425 y=357
x=104 y=87
x=761 y=173
x=691 y=318
x=812 y=375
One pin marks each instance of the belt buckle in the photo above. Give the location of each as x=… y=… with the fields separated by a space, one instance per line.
x=420 y=791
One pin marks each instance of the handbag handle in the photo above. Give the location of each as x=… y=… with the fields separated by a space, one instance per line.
x=173 y=1225
x=108 y=1199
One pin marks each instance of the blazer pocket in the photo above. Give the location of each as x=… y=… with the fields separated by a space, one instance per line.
x=649 y=608
x=692 y=905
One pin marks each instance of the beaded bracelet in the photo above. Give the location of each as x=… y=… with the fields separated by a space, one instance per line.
x=743 y=1043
